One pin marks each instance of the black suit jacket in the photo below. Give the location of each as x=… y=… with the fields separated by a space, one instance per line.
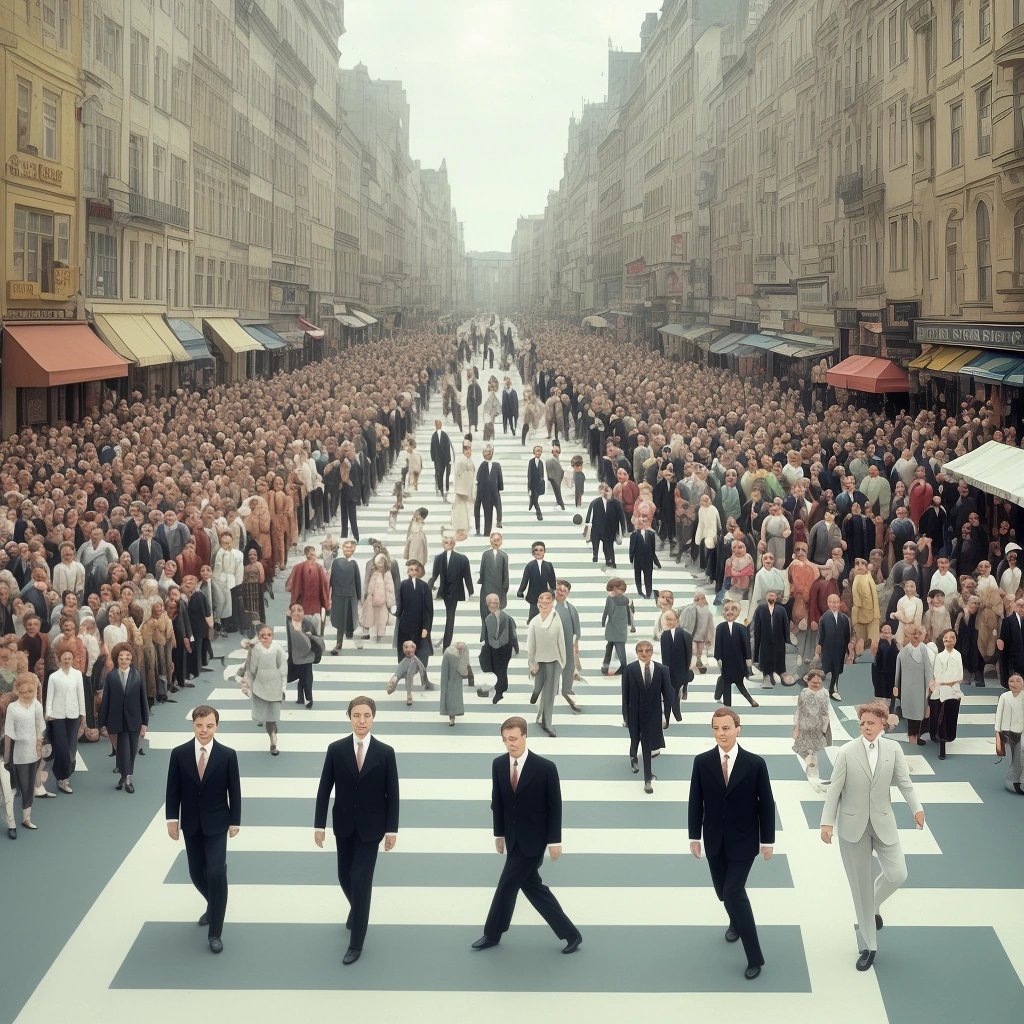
x=510 y=402
x=529 y=819
x=123 y=708
x=834 y=639
x=455 y=582
x=606 y=524
x=441 y=450
x=1012 y=654
x=732 y=654
x=641 y=704
x=535 y=476
x=209 y=806
x=643 y=549
x=536 y=579
x=489 y=481
x=734 y=821
x=366 y=802
x=676 y=651
x=414 y=608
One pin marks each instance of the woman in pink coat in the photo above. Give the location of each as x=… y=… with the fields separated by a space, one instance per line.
x=378 y=599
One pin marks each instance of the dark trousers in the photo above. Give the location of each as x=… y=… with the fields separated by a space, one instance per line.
x=356 y=863
x=521 y=873
x=833 y=670
x=348 y=516
x=126 y=746
x=23 y=777
x=643 y=576
x=678 y=691
x=500 y=657
x=64 y=737
x=638 y=737
x=208 y=869
x=726 y=690
x=488 y=509
x=451 y=606
x=607 y=544
x=508 y=423
x=534 y=503
x=442 y=473
x=304 y=683
x=557 y=488
x=620 y=650
x=730 y=880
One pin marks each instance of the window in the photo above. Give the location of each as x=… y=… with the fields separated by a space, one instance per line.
x=176 y=275
x=984 y=96
x=952 y=258
x=1018 y=247
x=136 y=163
x=1018 y=106
x=159 y=172
x=133 y=270
x=179 y=182
x=24 y=114
x=56 y=17
x=898 y=228
x=42 y=241
x=101 y=263
x=161 y=79
x=140 y=64
x=147 y=271
x=197 y=283
x=1018 y=13
x=983 y=239
x=984 y=21
x=100 y=153
x=956 y=130
x=180 y=78
x=897 y=133
x=51 y=125
x=956 y=46
x=158 y=274
x=106 y=43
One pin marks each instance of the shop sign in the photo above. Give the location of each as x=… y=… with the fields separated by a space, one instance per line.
x=846 y=318
x=635 y=267
x=980 y=335
x=19 y=166
x=679 y=247
x=898 y=315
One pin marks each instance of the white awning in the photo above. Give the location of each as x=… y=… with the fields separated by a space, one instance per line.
x=595 y=321
x=994 y=468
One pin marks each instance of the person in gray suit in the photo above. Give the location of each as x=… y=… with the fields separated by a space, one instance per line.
x=493 y=574
x=346 y=590
x=859 y=797
x=571 y=626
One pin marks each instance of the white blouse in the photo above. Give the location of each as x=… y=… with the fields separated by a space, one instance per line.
x=65 y=694
x=948 y=672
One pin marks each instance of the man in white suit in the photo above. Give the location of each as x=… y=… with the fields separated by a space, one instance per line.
x=859 y=797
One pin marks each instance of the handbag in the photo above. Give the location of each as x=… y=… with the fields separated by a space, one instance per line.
x=1000 y=745
x=319 y=645
x=486 y=664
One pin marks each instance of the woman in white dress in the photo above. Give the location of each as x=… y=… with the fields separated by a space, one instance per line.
x=463 y=482
x=909 y=611
x=944 y=693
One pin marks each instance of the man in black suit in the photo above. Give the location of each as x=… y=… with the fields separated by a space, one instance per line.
x=732 y=811
x=643 y=553
x=538 y=578
x=607 y=521
x=454 y=583
x=489 y=485
x=1011 y=644
x=771 y=633
x=835 y=644
x=474 y=396
x=732 y=652
x=509 y=408
x=526 y=802
x=363 y=774
x=147 y=550
x=535 y=480
x=646 y=703
x=204 y=803
x=414 y=612
x=676 y=652
x=441 y=454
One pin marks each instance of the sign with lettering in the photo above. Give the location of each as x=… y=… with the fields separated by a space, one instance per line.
x=679 y=247
x=898 y=315
x=846 y=318
x=19 y=291
x=20 y=166
x=64 y=281
x=971 y=335
x=636 y=267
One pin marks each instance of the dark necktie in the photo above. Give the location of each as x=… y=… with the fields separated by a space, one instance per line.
x=647 y=675
x=514 y=780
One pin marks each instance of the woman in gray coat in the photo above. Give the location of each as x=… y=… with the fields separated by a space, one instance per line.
x=454 y=669
x=263 y=678
x=302 y=655
x=913 y=672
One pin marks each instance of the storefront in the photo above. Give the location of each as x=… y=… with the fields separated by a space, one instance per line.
x=55 y=373
x=353 y=328
x=276 y=351
x=235 y=352
x=150 y=348
x=199 y=373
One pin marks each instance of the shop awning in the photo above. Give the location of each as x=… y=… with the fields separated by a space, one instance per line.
x=943 y=358
x=231 y=338
x=348 y=320
x=872 y=374
x=675 y=330
x=699 y=333
x=268 y=338
x=995 y=468
x=794 y=350
x=364 y=317
x=727 y=344
x=48 y=355
x=192 y=340
x=309 y=328
x=810 y=344
x=997 y=368
x=595 y=321
x=140 y=339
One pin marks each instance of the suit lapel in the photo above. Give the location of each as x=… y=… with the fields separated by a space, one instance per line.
x=739 y=768
x=526 y=775
x=862 y=757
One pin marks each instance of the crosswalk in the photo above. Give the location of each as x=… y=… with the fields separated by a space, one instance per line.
x=652 y=926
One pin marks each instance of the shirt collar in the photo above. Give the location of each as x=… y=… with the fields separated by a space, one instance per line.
x=866 y=746
x=365 y=741
x=208 y=747
x=521 y=759
x=732 y=753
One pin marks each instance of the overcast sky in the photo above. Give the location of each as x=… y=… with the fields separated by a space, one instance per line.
x=491 y=86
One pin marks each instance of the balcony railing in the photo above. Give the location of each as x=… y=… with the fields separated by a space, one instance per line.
x=850 y=187
x=152 y=209
x=1009 y=282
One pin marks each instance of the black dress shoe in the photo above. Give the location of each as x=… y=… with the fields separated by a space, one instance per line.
x=484 y=943
x=351 y=956
x=129 y=787
x=113 y=753
x=204 y=920
x=648 y=788
x=866 y=959
x=216 y=946
x=634 y=766
x=731 y=935
x=120 y=784
x=1017 y=789
x=550 y=732
x=573 y=944
x=878 y=922
x=12 y=833
x=751 y=973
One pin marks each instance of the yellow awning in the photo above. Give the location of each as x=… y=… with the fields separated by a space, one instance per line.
x=943 y=358
x=158 y=325
x=231 y=337
x=134 y=338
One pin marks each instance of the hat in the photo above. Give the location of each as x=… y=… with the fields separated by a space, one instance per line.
x=1012 y=546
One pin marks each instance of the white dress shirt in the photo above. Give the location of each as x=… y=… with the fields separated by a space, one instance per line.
x=520 y=760
x=208 y=747
x=871 y=749
x=65 y=694
x=365 y=742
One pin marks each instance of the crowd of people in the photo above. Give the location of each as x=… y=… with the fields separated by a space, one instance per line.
x=825 y=531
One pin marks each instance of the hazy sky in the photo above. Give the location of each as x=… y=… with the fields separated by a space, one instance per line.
x=491 y=86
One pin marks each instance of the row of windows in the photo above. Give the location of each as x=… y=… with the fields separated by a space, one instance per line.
x=38 y=114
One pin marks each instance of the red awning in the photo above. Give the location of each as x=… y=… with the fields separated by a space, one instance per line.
x=48 y=355
x=869 y=373
x=311 y=329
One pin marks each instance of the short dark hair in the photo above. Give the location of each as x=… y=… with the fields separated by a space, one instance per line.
x=368 y=701
x=726 y=712
x=515 y=722
x=118 y=648
x=538 y=544
x=203 y=710
x=563 y=583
